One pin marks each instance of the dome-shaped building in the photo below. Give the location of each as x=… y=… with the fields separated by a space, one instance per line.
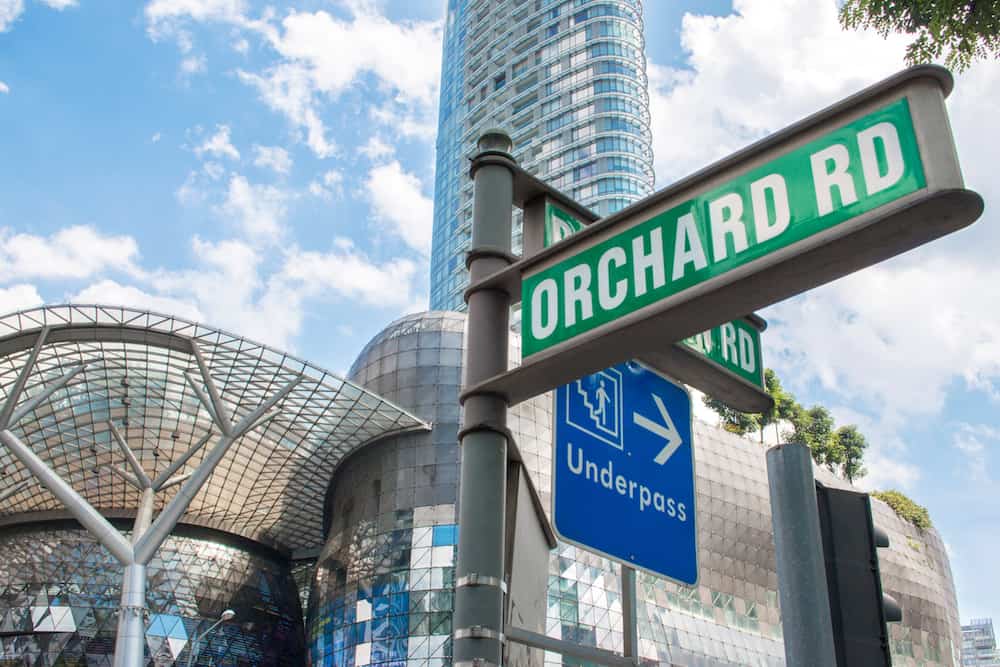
x=384 y=584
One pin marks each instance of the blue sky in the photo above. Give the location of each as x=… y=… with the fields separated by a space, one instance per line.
x=269 y=170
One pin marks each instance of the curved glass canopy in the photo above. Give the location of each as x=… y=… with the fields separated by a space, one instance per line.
x=141 y=374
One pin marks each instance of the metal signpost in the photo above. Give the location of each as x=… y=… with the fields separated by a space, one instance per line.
x=861 y=181
x=623 y=470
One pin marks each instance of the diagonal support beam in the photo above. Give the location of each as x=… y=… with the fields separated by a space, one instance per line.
x=17 y=488
x=220 y=408
x=129 y=479
x=207 y=402
x=22 y=379
x=50 y=389
x=175 y=480
x=171 y=514
x=133 y=462
x=98 y=526
x=161 y=480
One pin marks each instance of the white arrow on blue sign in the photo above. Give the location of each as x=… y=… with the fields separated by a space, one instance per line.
x=623 y=470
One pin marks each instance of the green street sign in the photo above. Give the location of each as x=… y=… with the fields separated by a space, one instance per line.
x=734 y=346
x=861 y=181
x=559 y=224
x=850 y=170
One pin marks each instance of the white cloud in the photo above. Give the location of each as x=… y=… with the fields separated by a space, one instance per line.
x=4 y=88
x=405 y=56
x=156 y=137
x=974 y=452
x=160 y=12
x=272 y=157
x=287 y=88
x=743 y=83
x=270 y=306
x=886 y=472
x=406 y=122
x=376 y=148
x=397 y=198
x=219 y=145
x=190 y=193
x=213 y=170
x=351 y=274
x=322 y=56
x=230 y=283
x=893 y=339
x=112 y=293
x=19 y=297
x=254 y=303
x=895 y=335
x=258 y=209
x=193 y=65
x=60 y=4
x=969 y=439
x=9 y=11
x=329 y=185
x=73 y=252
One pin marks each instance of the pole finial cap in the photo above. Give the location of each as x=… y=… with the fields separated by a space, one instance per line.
x=495 y=140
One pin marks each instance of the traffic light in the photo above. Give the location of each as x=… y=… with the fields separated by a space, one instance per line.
x=859 y=609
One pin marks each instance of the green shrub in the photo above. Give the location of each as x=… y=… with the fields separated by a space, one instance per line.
x=905 y=508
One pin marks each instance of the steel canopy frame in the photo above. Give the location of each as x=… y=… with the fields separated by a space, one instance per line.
x=147 y=534
x=241 y=390
x=269 y=488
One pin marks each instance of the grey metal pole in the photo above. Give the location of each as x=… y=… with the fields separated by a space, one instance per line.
x=144 y=516
x=81 y=510
x=630 y=622
x=196 y=644
x=805 y=606
x=130 y=642
x=479 y=586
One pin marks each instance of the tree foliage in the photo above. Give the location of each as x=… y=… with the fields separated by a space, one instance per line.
x=960 y=31
x=732 y=420
x=851 y=445
x=784 y=403
x=905 y=508
x=841 y=450
x=813 y=427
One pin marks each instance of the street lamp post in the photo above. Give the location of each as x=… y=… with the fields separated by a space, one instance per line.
x=227 y=615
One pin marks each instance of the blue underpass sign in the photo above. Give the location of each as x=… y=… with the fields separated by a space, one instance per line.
x=623 y=470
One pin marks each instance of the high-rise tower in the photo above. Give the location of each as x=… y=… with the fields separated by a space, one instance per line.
x=567 y=80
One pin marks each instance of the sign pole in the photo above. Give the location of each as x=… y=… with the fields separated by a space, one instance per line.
x=630 y=622
x=479 y=584
x=798 y=545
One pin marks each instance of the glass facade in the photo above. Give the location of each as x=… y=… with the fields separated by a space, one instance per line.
x=979 y=644
x=567 y=80
x=382 y=591
x=59 y=596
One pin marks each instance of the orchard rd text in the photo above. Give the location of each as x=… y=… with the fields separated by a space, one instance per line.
x=853 y=169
